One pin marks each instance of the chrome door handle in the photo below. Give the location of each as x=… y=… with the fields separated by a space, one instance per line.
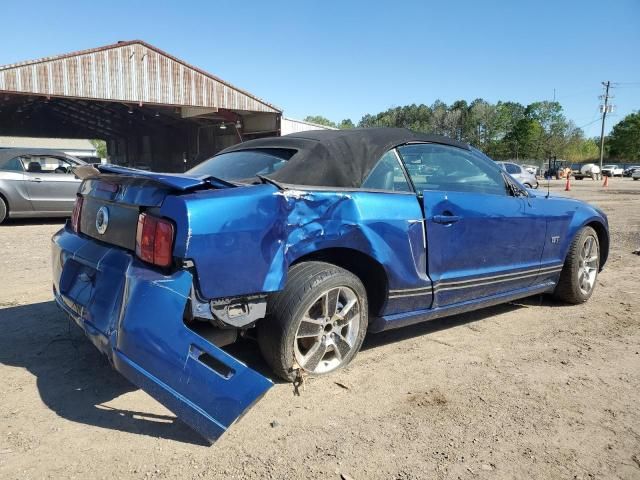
x=445 y=219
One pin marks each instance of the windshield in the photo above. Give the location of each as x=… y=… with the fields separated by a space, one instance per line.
x=243 y=164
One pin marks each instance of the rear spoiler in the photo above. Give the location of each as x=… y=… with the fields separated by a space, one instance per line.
x=176 y=181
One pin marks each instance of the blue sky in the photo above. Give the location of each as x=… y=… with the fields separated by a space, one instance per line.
x=342 y=59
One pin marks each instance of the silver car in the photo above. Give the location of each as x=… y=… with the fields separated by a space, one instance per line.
x=37 y=183
x=523 y=176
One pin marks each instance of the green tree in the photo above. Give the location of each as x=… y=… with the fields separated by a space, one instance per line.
x=554 y=127
x=346 y=124
x=523 y=142
x=320 y=120
x=580 y=149
x=101 y=147
x=624 y=140
x=504 y=130
x=480 y=123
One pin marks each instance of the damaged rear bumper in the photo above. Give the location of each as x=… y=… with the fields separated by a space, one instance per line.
x=134 y=315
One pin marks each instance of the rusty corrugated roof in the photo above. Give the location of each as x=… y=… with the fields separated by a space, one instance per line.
x=131 y=71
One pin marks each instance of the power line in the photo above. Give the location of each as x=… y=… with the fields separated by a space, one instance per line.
x=590 y=123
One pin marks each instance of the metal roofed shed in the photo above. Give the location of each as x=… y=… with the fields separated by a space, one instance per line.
x=154 y=110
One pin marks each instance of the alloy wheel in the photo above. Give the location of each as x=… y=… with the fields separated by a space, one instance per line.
x=588 y=265
x=328 y=331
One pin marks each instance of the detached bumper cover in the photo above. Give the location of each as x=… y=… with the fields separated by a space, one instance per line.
x=133 y=314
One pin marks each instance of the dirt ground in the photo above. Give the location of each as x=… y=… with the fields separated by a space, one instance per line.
x=532 y=389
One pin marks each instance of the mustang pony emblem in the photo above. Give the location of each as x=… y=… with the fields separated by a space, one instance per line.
x=102 y=220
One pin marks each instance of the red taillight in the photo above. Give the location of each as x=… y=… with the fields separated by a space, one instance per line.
x=154 y=240
x=75 y=216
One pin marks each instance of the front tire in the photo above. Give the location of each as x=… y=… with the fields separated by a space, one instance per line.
x=580 y=271
x=317 y=323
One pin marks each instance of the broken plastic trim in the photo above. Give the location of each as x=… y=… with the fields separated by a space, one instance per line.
x=239 y=312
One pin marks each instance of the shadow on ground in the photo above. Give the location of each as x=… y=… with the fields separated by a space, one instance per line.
x=73 y=378
x=76 y=381
x=433 y=326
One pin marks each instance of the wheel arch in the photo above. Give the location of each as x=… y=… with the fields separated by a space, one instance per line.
x=603 y=240
x=4 y=198
x=370 y=272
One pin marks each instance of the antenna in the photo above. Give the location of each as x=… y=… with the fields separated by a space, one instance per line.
x=549 y=178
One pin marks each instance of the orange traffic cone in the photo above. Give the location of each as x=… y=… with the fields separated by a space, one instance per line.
x=567 y=186
x=605 y=184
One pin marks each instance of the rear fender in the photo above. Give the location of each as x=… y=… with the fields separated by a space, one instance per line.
x=242 y=240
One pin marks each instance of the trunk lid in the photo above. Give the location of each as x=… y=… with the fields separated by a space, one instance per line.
x=125 y=193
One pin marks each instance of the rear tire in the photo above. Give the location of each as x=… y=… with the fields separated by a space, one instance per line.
x=580 y=272
x=4 y=210
x=317 y=323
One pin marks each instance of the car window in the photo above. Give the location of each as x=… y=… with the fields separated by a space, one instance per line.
x=12 y=165
x=441 y=167
x=244 y=164
x=512 y=168
x=387 y=175
x=47 y=164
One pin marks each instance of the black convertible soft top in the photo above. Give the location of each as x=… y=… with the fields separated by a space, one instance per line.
x=336 y=158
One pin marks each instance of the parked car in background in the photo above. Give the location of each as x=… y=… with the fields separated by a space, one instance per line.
x=612 y=171
x=532 y=169
x=636 y=174
x=585 y=170
x=37 y=183
x=306 y=242
x=628 y=171
x=518 y=172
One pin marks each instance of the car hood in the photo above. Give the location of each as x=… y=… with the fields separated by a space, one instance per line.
x=555 y=197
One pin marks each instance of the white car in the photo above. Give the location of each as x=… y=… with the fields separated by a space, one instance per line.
x=636 y=175
x=532 y=169
x=612 y=171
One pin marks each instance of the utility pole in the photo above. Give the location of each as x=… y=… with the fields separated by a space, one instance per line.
x=605 y=108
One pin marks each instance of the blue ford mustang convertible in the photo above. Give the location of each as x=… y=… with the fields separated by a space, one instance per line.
x=306 y=242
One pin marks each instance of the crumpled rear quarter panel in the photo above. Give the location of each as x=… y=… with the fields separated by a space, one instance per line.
x=243 y=240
